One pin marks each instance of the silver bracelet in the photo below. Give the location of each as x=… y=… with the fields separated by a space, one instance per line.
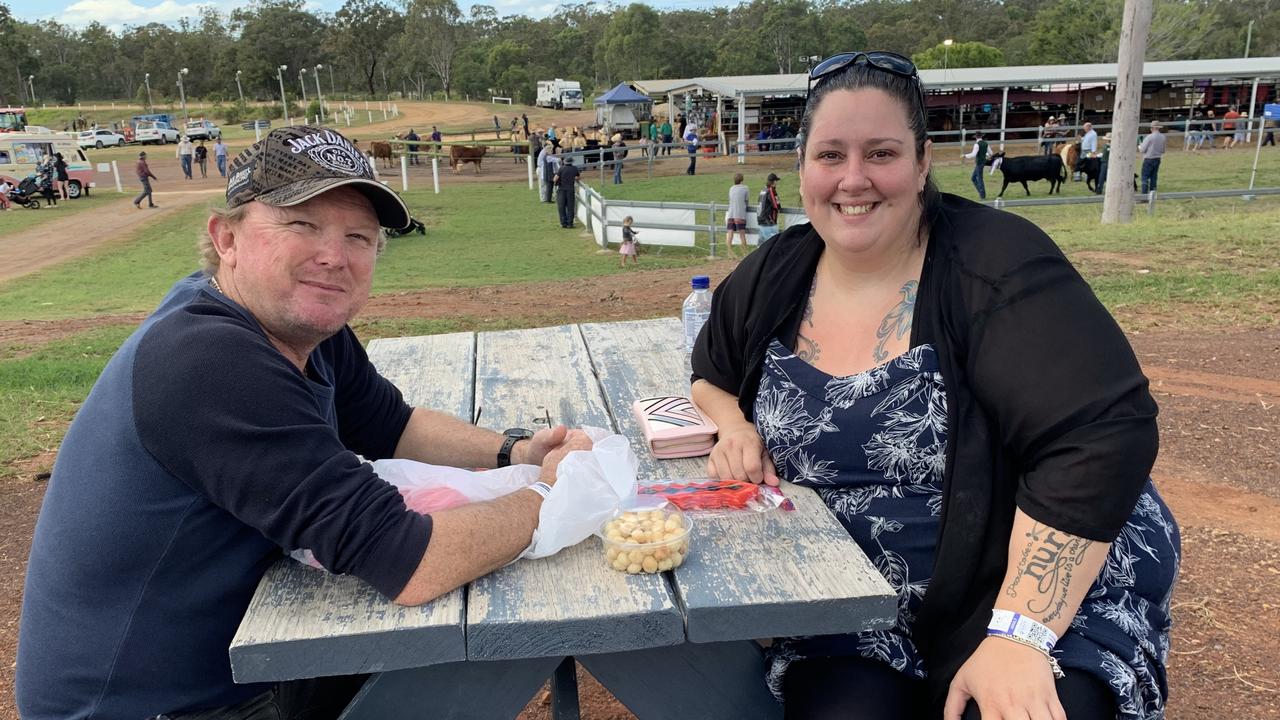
x=541 y=488
x=1053 y=661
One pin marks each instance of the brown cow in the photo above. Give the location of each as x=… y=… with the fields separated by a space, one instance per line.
x=459 y=154
x=382 y=150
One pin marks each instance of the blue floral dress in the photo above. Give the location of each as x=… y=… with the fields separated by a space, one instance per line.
x=873 y=446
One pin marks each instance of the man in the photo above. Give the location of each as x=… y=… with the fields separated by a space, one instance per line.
x=735 y=218
x=143 y=171
x=1048 y=134
x=202 y=159
x=524 y=118
x=1088 y=145
x=220 y=156
x=653 y=137
x=767 y=212
x=1102 y=166
x=435 y=137
x=1152 y=149
x=979 y=156
x=1230 y=136
x=186 y=151
x=667 y=136
x=691 y=140
x=411 y=146
x=230 y=428
x=566 y=185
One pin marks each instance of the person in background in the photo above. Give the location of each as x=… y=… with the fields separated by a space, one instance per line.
x=566 y=189
x=143 y=172
x=202 y=159
x=628 y=248
x=60 y=173
x=690 y=137
x=1088 y=145
x=1102 y=166
x=220 y=156
x=1231 y=135
x=186 y=151
x=735 y=217
x=959 y=398
x=619 y=154
x=436 y=137
x=5 y=187
x=767 y=209
x=411 y=146
x=1152 y=150
x=979 y=156
x=667 y=135
x=652 y=133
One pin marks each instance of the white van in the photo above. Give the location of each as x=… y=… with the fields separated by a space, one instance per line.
x=19 y=153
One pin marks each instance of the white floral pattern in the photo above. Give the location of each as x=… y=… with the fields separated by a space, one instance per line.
x=873 y=446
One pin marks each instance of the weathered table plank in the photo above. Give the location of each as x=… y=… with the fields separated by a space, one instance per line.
x=305 y=623
x=571 y=603
x=795 y=573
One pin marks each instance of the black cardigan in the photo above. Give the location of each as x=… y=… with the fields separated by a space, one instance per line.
x=1047 y=409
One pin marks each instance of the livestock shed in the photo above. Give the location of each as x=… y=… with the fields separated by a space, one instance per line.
x=991 y=97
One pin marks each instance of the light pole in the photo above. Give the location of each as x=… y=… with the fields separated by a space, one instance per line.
x=331 y=90
x=303 y=82
x=283 y=100
x=946 y=53
x=182 y=91
x=239 y=90
x=1248 y=39
x=146 y=78
x=319 y=95
x=31 y=85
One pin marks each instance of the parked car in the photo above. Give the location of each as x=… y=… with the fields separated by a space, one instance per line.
x=202 y=130
x=155 y=132
x=100 y=138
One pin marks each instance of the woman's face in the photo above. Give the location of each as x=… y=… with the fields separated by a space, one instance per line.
x=860 y=179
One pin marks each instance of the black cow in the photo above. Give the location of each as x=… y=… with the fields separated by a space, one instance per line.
x=1092 y=169
x=1032 y=167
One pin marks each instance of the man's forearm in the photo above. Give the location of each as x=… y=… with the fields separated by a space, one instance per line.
x=440 y=439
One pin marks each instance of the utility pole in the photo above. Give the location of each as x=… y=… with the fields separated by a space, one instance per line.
x=147 y=79
x=283 y=100
x=1117 y=206
x=319 y=95
x=239 y=90
x=183 y=92
x=1248 y=39
x=302 y=80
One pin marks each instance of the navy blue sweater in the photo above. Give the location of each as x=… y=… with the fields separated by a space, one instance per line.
x=198 y=456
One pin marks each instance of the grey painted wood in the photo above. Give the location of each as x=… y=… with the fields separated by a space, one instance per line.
x=636 y=359
x=433 y=371
x=709 y=681
x=564 y=691
x=573 y=602
x=306 y=623
x=781 y=573
x=455 y=691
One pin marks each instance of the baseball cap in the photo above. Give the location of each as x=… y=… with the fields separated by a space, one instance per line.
x=771 y=178
x=294 y=164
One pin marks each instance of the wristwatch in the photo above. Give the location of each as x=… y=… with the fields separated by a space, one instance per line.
x=513 y=436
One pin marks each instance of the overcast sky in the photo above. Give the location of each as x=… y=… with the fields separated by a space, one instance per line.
x=118 y=13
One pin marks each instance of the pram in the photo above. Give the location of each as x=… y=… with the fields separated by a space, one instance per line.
x=24 y=194
x=414 y=226
x=41 y=185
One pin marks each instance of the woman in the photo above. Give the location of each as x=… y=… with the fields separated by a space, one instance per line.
x=60 y=171
x=952 y=389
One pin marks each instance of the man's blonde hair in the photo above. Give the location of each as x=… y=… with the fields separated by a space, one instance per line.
x=209 y=259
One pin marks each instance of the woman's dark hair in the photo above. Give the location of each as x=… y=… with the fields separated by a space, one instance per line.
x=906 y=91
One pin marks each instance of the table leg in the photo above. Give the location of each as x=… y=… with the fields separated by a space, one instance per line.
x=564 y=691
x=478 y=690
x=692 y=680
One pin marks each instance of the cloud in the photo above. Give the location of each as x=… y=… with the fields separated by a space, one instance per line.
x=118 y=13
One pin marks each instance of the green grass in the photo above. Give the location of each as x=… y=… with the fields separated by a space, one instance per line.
x=41 y=391
x=24 y=219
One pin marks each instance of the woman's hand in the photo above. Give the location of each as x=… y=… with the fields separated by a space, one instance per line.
x=740 y=455
x=1007 y=680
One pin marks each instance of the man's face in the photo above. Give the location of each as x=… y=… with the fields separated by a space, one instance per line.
x=303 y=271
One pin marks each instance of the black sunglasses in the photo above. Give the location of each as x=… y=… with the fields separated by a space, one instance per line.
x=892 y=63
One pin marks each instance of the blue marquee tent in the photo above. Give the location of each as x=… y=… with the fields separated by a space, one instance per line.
x=622 y=94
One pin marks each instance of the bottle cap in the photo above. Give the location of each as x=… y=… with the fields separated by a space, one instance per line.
x=701 y=282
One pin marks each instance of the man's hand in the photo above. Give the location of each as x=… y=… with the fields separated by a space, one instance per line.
x=740 y=454
x=1007 y=680
x=573 y=440
x=533 y=450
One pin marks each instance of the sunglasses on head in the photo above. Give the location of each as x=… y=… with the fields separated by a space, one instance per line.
x=891 y=63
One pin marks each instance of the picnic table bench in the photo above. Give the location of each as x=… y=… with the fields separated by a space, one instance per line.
x=669 y=645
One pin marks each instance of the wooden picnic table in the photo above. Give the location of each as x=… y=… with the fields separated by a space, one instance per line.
x=670 y=645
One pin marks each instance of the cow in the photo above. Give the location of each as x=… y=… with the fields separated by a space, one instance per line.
x=460 y=154
x=381 y=151
x=1031 y=167
x=1092 y=169
x=1070 y=154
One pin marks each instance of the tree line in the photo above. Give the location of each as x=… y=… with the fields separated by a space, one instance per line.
x=377 y=49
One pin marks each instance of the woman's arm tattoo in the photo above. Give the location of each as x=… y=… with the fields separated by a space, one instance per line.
x=897 y=322
x=1050 y=558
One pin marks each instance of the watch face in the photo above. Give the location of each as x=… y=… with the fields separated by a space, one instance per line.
x=518 y=433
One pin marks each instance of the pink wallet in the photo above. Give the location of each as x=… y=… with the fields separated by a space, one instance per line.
x=674 y=427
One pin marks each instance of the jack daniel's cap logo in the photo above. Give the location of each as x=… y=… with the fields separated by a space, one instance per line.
x=294 y=164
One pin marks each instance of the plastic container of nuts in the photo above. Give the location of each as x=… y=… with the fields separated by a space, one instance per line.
x=646 y=536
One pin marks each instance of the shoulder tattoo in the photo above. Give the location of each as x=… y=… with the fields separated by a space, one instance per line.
x=808 y=306
x=807 y=349
x=897 y=322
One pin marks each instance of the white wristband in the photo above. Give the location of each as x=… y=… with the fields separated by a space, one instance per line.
x=541 y=488
x=1015 y=626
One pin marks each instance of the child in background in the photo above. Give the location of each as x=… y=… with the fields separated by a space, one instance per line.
x=628 y=242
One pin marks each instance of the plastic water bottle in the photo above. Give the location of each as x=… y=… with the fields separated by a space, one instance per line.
x=696 y=310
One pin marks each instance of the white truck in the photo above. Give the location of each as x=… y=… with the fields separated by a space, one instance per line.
x=560 y=94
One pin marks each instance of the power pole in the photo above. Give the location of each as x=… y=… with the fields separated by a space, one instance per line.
x=1117 y=206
